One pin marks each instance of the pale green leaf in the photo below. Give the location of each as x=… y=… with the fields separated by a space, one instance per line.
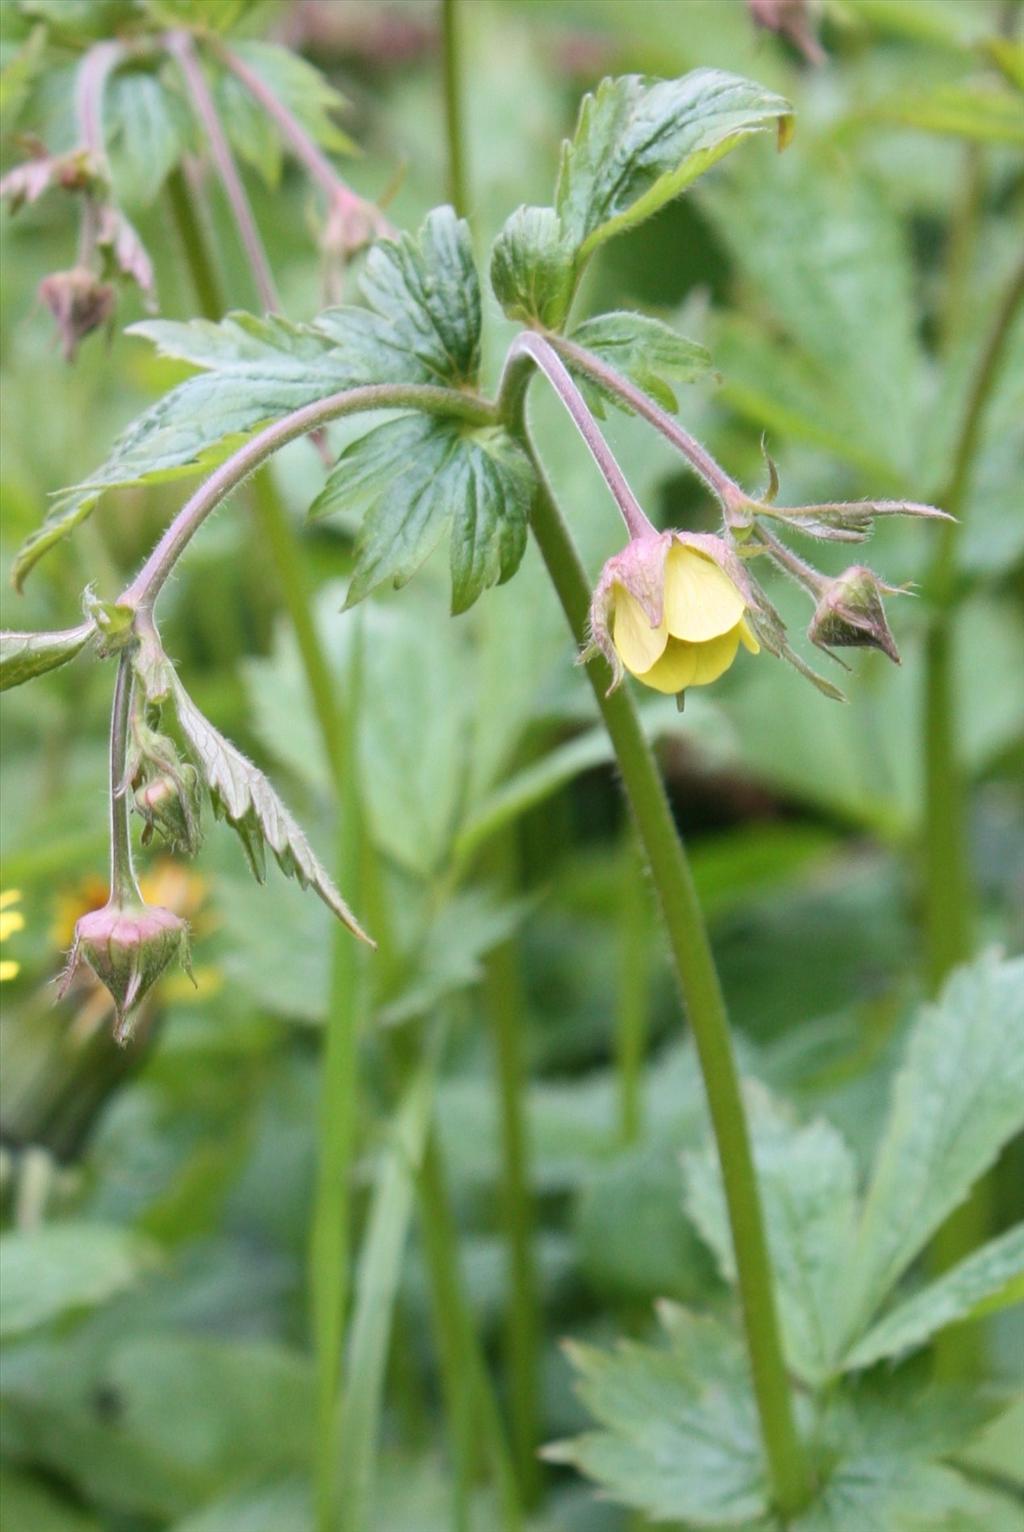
x=992 y=1271
x=252 y=133
x=975 y=113
x=215 y=15
x=241 y=794
x=957 y=1100
x=807 y=1177
x=679 y=1437
x=645 y=350
x=61 y=1268
x=640 y=142
x=282 y=1506
x=24 y=655
x=147 y=129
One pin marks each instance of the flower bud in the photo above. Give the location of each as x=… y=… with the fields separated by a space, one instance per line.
x=127 y=946
x=169 y=803
x=850 y=614
x=79 y=302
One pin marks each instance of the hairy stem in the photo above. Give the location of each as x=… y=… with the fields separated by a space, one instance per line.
x=631 y=1031
x=123 y=884
x=182 y=49
x=451 y=40
x=90 y=83
x=537 y=349
x=725 y=489
x=698 y=979
x=148 y=583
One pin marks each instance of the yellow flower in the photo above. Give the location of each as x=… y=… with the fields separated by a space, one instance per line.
x=10 y=921
x=701 y=616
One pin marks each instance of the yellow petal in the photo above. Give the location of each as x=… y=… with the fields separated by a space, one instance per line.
x=9 y=896
x=701 y=602
x=747 y=638
x=714 y=658
x=8 y=970
x=11 y=921
x=674 y=670
x=638 y=644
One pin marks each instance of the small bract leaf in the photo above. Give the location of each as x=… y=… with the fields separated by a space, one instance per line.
x=241 y=794
x=645 y=350
x=24 y=655
x=533 y=267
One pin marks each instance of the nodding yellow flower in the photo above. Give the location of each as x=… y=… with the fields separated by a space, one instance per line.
x=667 y=611
x=10 y=921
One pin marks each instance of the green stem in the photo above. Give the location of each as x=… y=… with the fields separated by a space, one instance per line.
x=450 y=52
x=947 y=872
x=197 y=255
x=698 y=978
x=631 y=1031
x=470 y=1403
x=503 y=997
x=123 y=886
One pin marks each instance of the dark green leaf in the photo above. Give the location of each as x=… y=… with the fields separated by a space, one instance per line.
x=31 y=1505
x=957 y=1100
x=419 y=476
x=241 y=794
x=640 y=142
x=24 y=655
x=533 y=267
x=147 y=130
x=63 y=1267
x=645 y=350
x=680 y=1438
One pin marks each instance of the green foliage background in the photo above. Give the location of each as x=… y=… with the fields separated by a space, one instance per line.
x=158 y=1207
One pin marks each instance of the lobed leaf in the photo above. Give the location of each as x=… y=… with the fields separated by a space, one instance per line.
x=418 y=477
x=958 y=1099
x=640 y=142
x=301 y=88
x=422 y=326
x=147 y=130
x=680 y=1438
x=25 y=655
x=241 y=794
x=645 y=350
x=993 y=1272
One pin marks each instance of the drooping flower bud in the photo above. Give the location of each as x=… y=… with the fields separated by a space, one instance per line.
x=79 y=302
x=169 y=803
x=127 y=946
x=850 y=613
x=671 y=609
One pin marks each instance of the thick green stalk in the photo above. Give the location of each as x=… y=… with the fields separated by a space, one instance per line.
x=631 y=1029
x=503 y=999
x=948 y=893
x=698 y=978
x=450 y=52
x=197 y=255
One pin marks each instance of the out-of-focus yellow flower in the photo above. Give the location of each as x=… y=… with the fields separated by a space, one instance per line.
x=11 y=920
x=669 y=612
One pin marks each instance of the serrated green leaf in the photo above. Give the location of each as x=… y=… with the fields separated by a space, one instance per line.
x=640 y=142
x=645 y=350
x=147 y=130
x=989 y=1272
x=533 y=267
x=957 y=1100
x=808 y=1188
x=24 y=655
x=422 y=326
x=242 y=795
x=419 y=477
x=680 y=1439
x=300 y=87
x=64 y=1267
